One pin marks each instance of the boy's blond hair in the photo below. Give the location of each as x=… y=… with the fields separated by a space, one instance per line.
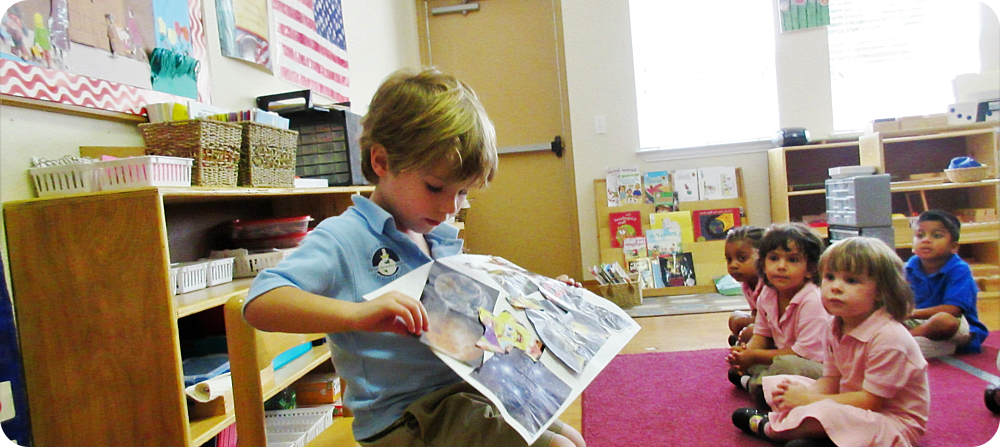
x=424 y=118
x=876 y=260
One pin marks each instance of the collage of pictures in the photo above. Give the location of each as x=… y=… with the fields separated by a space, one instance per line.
x=530 y=343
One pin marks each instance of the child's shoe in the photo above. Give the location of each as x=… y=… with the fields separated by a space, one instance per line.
x=736 y=379
x=811 y=442
x=750 y=421
x=990 y=397
x=757 y=392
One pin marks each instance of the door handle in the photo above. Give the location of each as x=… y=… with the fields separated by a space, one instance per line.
x=555 y=146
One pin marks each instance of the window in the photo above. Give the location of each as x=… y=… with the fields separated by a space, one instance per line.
x=893 y=58
x=704 y=72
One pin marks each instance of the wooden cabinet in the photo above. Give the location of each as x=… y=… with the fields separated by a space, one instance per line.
x=912 y=158
x=100 y=332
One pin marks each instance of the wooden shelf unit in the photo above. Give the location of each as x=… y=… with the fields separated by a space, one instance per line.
x=797 y=174
x=708 y=256
x=98 y=326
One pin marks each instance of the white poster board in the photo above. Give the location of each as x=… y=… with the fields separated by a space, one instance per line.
x=579 y=334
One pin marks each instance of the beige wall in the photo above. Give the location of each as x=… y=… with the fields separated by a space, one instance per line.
x=381 y=38
x=601 y=83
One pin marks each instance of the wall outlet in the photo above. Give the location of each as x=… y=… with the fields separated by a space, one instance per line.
x=600 y=126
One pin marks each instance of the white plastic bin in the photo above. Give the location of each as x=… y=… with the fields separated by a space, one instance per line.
x=220 y=271
x=149 y=170
x=191 y=276
x=65 y=179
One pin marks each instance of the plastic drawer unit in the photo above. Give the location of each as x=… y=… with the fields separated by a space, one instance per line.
x=862 y=201
x=885 y=234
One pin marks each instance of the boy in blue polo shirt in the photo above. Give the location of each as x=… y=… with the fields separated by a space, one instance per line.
x=426 y=142
x=945 y=319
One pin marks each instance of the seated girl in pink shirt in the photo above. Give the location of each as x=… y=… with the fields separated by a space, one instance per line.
x=788 y=334
x=741 y=261
x=874 y=389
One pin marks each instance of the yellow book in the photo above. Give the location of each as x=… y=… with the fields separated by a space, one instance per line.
x=676 y=224
x=180 y=112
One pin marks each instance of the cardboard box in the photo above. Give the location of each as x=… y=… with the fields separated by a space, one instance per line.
x=317 y=389
x=922 y=122
x=976 y=214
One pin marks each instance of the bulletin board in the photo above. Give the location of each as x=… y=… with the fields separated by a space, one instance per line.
x=709 y=257
x=115 y=55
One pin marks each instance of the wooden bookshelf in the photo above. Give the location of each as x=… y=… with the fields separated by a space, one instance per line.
x=709 y=257
x=90 y=276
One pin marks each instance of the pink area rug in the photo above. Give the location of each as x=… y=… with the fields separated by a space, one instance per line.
x=684 y=399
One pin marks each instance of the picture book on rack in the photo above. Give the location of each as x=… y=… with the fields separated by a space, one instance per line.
x=634 y=248
x=717 y=183
x=529 y=343
x=686 y=184
x=611 y=183
x=712 y=225
x=657 y=187
x=677 y=224
x=629 y=185
x=663 y=241
x=624 y=224
x=677 y=270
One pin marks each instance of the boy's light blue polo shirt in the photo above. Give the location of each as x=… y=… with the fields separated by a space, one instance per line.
x=346 y=257
x=953 y=285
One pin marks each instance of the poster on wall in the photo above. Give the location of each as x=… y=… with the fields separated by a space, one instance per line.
x=802 y=14
x=312 y=46
x=114 y=55
x=243 y=30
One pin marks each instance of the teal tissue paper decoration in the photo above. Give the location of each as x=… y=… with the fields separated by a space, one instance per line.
x=174 y=73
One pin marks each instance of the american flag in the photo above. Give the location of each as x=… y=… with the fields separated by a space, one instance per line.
x=313 y=47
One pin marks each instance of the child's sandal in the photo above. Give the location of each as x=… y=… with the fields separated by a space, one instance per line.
x=750 y=421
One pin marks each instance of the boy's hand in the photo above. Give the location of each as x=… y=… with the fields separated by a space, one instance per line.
x=393 y=312
x=566 y=279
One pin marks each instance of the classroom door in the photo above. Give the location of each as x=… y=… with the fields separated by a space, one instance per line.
x=511 y=53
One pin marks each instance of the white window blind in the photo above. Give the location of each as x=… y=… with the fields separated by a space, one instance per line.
x=704 y=72
x=894 y=58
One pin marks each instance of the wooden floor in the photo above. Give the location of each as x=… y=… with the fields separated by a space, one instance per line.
x=673 y=333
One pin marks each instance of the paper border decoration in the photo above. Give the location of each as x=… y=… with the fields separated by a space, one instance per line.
x=30 y=81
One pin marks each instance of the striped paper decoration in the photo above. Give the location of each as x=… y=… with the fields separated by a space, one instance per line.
x=313 y=49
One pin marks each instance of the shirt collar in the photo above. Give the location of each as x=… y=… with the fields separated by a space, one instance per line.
x=914 y=265
x=443 y=240
x=867 y=329
x=801 y=294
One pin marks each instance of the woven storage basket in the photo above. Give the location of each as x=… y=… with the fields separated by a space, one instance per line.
x=267 y=156
x=214 y=146
x=624 y=295
x=964 y=175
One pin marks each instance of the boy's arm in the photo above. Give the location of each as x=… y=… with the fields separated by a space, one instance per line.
x=927 y=312
x=960 y=293
x=292 y=310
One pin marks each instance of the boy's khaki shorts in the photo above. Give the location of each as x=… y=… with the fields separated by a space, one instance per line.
x=454 y=415
x=961 y=337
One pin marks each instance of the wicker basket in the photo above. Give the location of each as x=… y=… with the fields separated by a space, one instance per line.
x=624 y=295
x=965 y=175
x=267 y=156
x=214 y=146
